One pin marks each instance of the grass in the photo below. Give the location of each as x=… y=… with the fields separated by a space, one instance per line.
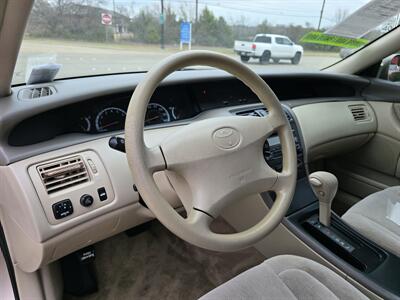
x=137 y=47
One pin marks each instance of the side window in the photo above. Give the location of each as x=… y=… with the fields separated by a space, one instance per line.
x=287 y=42
x=263 y=39
x=279 y=40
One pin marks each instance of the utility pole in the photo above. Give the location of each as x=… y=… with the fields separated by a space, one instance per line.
x=162 y=24
x=197 y=11
x=114 y=20
x=320 y=16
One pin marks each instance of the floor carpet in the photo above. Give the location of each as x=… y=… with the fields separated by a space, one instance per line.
x=156 y=264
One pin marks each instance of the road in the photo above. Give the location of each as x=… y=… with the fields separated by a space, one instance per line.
x=81 y=58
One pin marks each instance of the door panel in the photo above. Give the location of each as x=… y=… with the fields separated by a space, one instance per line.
x=278 y=48
x=8 y=285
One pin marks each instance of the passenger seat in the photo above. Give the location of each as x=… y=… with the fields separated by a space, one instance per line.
x=377 y=217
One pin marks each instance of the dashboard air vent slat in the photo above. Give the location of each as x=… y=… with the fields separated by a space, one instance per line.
x=256 y=112
x=34 y=93
x=360 y=113
x=62 y=174
x=260 y=112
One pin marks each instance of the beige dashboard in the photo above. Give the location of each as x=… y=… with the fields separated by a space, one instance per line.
x=37 y=237
x=332 y=128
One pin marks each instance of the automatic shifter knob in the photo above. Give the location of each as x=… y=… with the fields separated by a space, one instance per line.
x=325 y=187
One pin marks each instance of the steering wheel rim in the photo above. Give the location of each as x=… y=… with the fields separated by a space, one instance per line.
x=221 y=140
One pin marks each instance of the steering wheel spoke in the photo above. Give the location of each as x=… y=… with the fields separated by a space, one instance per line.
x=199 y=220
x=227 y=179
x=155 y=160
x=283 y=180
x=276 y=121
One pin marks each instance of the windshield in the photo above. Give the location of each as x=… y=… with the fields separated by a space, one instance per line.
x=72 y=38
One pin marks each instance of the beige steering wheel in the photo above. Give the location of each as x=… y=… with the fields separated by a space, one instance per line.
x=218 y=160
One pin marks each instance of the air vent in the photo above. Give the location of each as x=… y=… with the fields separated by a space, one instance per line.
x=257 y=112
x=34 y=93
x=260 y=112
x=360 y=113
x=63 y=174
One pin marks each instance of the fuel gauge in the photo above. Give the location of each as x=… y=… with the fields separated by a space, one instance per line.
x=85 y=125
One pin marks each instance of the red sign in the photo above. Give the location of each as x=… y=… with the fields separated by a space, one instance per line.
x=106 y=19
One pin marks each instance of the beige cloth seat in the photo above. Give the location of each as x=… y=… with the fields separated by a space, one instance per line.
x=377 y=217
x=286 y=277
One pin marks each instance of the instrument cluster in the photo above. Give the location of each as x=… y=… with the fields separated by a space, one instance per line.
x=112 y=118
x=109 y=114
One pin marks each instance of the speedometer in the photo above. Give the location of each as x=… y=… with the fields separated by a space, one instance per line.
x=156 y=113
x=110 y=119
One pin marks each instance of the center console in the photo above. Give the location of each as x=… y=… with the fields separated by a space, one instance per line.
x=273 y=150
x=272 y=146
x=364 y=261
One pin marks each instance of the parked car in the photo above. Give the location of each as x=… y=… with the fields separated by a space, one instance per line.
x=269 y=46
x=344 y=52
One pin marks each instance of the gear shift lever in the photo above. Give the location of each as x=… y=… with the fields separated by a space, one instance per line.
x=325 y=187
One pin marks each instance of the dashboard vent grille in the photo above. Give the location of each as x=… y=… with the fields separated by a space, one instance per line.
x=260 y=112
x=62 y=174
x=34 y=93
x=360 y=113
x=255 y=112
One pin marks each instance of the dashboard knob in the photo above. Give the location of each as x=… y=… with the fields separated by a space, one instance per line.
x=86 y=200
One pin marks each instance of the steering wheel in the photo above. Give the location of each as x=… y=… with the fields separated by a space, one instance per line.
x=218 y=160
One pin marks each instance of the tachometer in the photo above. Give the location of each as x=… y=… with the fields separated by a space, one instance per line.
x=110 y=119
x=156 y=113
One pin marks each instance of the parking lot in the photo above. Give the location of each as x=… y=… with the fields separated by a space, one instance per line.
x=83 y=58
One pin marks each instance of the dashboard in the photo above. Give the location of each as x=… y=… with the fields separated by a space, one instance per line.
x=55 y=151
x=104 y=114
x=170 y=104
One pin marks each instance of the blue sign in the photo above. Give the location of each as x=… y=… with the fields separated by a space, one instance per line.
x=186 y=32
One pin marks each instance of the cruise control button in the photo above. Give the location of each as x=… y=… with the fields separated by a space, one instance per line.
x=102 y=193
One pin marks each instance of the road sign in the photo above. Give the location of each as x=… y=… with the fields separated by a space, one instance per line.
x=186 y=34
x=106 y=19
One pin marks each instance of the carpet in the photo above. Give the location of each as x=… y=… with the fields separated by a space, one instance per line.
x=156 y=264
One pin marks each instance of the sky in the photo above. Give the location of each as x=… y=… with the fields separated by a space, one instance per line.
x=253 y=12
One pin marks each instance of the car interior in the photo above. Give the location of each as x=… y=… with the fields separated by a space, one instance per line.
x=180 y=182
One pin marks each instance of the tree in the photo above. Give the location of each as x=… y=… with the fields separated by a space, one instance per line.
x=68 y=19
x=172 y=26
x=212 y=31
x=80 y=19
x=146 y=27
x=242 y=31
x=340 y=15
x=264 y=27
x=224 y=34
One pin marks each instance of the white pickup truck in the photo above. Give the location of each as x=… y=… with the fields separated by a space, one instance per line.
x=269 y=46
